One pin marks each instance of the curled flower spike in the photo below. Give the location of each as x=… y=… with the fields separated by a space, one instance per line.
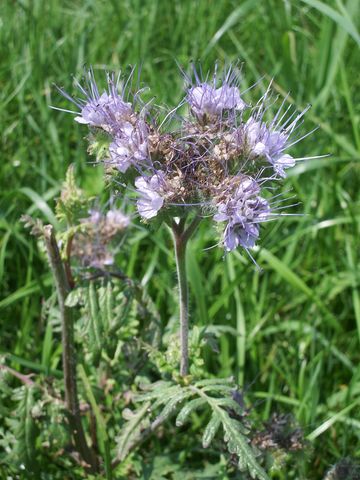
x=130 y=146
x=206 y=100
x=106 y=110
x=259 y=139
x=92 y=245
x=110 y=112
x=149 y=190
x=244 y=209
x=262 y=141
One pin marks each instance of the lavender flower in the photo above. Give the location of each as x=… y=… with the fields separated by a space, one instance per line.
x=207 y=100
x=262 y=141
x=211 y=100
x=94 y=218
x=107 y=225
x=116 y=220
x=130 y=146
x=202 y=162
x=244 y=210
x=149 y=190
x=104 y=112
x=92 y=245
x=107 y=110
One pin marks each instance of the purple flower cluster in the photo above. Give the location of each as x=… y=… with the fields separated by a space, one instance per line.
x=129 y=145
x=243 y=209
x=206 y=100
x=109 y=112
x=104 y=111
x=263 y=141
x=219 y=157
x=150 y=190
x=92 y=243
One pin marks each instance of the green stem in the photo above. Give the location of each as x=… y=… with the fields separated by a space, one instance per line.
x=68 y=349
x=181 y=238
x=180 y=255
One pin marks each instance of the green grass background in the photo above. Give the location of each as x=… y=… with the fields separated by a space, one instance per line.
x=297 y=323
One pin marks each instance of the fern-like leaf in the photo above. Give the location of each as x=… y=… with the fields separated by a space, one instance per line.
x=238 y=444
x=24 y=428
x=171 y=405
x=217 y=395
x=234 y=431
x=159 y=391
x=212 y=382
x=132 y=430
x=94 y=325
x=187 y=410
x=211 y=429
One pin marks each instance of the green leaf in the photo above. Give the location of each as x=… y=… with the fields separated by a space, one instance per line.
x=187 y=410
x=232 y=20
x=170 y=406
x=210 y=431
x=24 y=428
x=215 y=381
x=94 y=325
x=216 y=395
x=75 y=297
x=238 y=444
x=285 y=272
x=131 y=432
x=344 y=21
x=159 y=390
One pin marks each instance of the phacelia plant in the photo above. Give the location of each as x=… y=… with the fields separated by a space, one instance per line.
x=213 y=156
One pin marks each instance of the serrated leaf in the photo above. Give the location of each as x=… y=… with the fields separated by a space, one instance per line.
x=235 y=433
x=131 y=432
x=168 y=395
x=218 y=388
x=229 y=403
x=186 y=411
x=171 y=405
x=211 y=428
x=150 y=387
x=215 y=381
x=238 y=444
x=162 y=391
x=24 y=428
x=242 y=463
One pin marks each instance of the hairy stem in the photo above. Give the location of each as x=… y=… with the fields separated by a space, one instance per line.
x=67 y=266
x=181 y=238
x=180 y=255
x=68 y=348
